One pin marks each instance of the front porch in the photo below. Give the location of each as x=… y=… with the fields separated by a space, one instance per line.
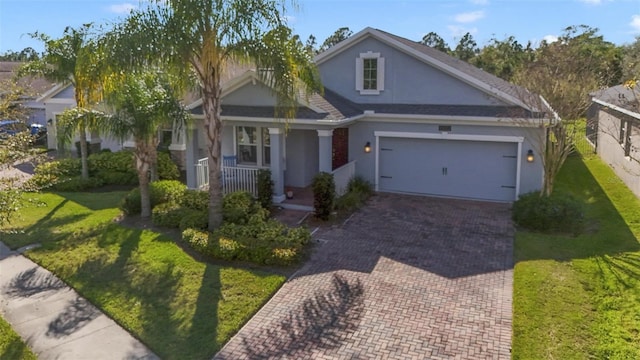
x=238 y=178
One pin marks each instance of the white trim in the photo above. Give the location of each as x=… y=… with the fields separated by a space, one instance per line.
x=57 y=88
x=275 y=131
x=325 y=133
x=617 y=108
x=360 y=73
x=518 y=170
x=405 y=118
x=451 y=119
x=446 y=136
x=64 y=101
x=178 y=147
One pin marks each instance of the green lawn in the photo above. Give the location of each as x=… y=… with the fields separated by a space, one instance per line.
x=181 y=308
x=579 y=297
x=11 y=346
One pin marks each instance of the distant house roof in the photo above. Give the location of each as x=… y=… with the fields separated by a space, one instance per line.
x=620 y=96
x=36 y=85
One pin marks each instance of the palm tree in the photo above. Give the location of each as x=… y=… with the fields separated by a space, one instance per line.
x=72 y=59
x=198 y=38
x=142 y=103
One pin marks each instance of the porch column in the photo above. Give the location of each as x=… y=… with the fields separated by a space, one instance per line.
x=277 y=167
x=192 y=157
x=325 y=148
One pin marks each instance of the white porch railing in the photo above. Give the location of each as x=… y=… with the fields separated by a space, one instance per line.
x=342 y=175
x=239 y=179
x=233 y=178
x=202 y=173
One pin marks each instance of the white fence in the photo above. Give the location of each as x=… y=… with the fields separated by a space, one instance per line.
x=233 y=178
x=342 y=175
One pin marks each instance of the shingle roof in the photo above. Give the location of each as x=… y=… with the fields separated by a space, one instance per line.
x=493 y=81
x=620 y=95
x=36 y=85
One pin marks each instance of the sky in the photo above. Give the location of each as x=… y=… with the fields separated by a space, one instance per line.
x=527 y=20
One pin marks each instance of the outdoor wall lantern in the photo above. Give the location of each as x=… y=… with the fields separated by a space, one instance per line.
x=367 y=147
x=530 y=156
x=50 y=121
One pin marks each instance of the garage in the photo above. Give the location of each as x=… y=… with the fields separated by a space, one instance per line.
x=473 y=167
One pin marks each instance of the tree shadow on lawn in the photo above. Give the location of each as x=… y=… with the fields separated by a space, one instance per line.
x=151 y=291
x=606 y=234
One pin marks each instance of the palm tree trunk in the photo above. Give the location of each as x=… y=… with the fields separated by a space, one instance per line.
x=142 y=167
x=213 y=125
x=84 y=153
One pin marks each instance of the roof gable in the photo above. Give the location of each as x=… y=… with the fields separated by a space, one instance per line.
x=471 y=75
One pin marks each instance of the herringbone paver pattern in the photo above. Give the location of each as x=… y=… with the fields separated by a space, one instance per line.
x=405 y=278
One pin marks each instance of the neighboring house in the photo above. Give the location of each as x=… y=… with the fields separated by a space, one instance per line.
x=402 y=115
x=62 y=96
x=613 y=127
x=56 y=101
x=36 y=86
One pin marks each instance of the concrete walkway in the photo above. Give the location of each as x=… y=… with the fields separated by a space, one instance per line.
x=54 y=320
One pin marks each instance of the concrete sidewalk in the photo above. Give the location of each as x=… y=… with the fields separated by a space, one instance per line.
x=54 y=320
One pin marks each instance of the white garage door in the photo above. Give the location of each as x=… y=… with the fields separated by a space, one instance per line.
x=457 y=168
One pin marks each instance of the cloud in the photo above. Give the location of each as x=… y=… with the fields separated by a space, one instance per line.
x=591 y=2
x=469 y=17
x=123 y=8
x=479 y=2
x=459 y=31
x=550 y=38
x=635 y=23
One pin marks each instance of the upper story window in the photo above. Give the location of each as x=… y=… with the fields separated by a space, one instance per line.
x=369 y=73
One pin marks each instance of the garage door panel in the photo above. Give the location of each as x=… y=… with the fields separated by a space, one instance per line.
x=470 y=169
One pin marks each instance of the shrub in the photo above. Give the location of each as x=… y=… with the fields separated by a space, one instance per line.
x=50 y=173
x=106 y=161
x=358 y=191
x=167 y=191
x=168 y=215
x=195 y=199
x=117 y=177
x=167 y=169
x=194 y=219
x=77 y=183
x=260 y=241
x=161 y=192
x=555 y=213
x=324 y=192
x=237 y=207
x=359 y=185
x=265 y=188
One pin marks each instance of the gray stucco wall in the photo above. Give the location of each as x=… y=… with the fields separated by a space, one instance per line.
x=251 y=95
x=67 y=93
x=407 y=80
x=612 y=152
x=302 y=157
x=362 y=132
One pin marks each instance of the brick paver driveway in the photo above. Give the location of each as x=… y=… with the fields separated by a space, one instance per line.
x=405 y=278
